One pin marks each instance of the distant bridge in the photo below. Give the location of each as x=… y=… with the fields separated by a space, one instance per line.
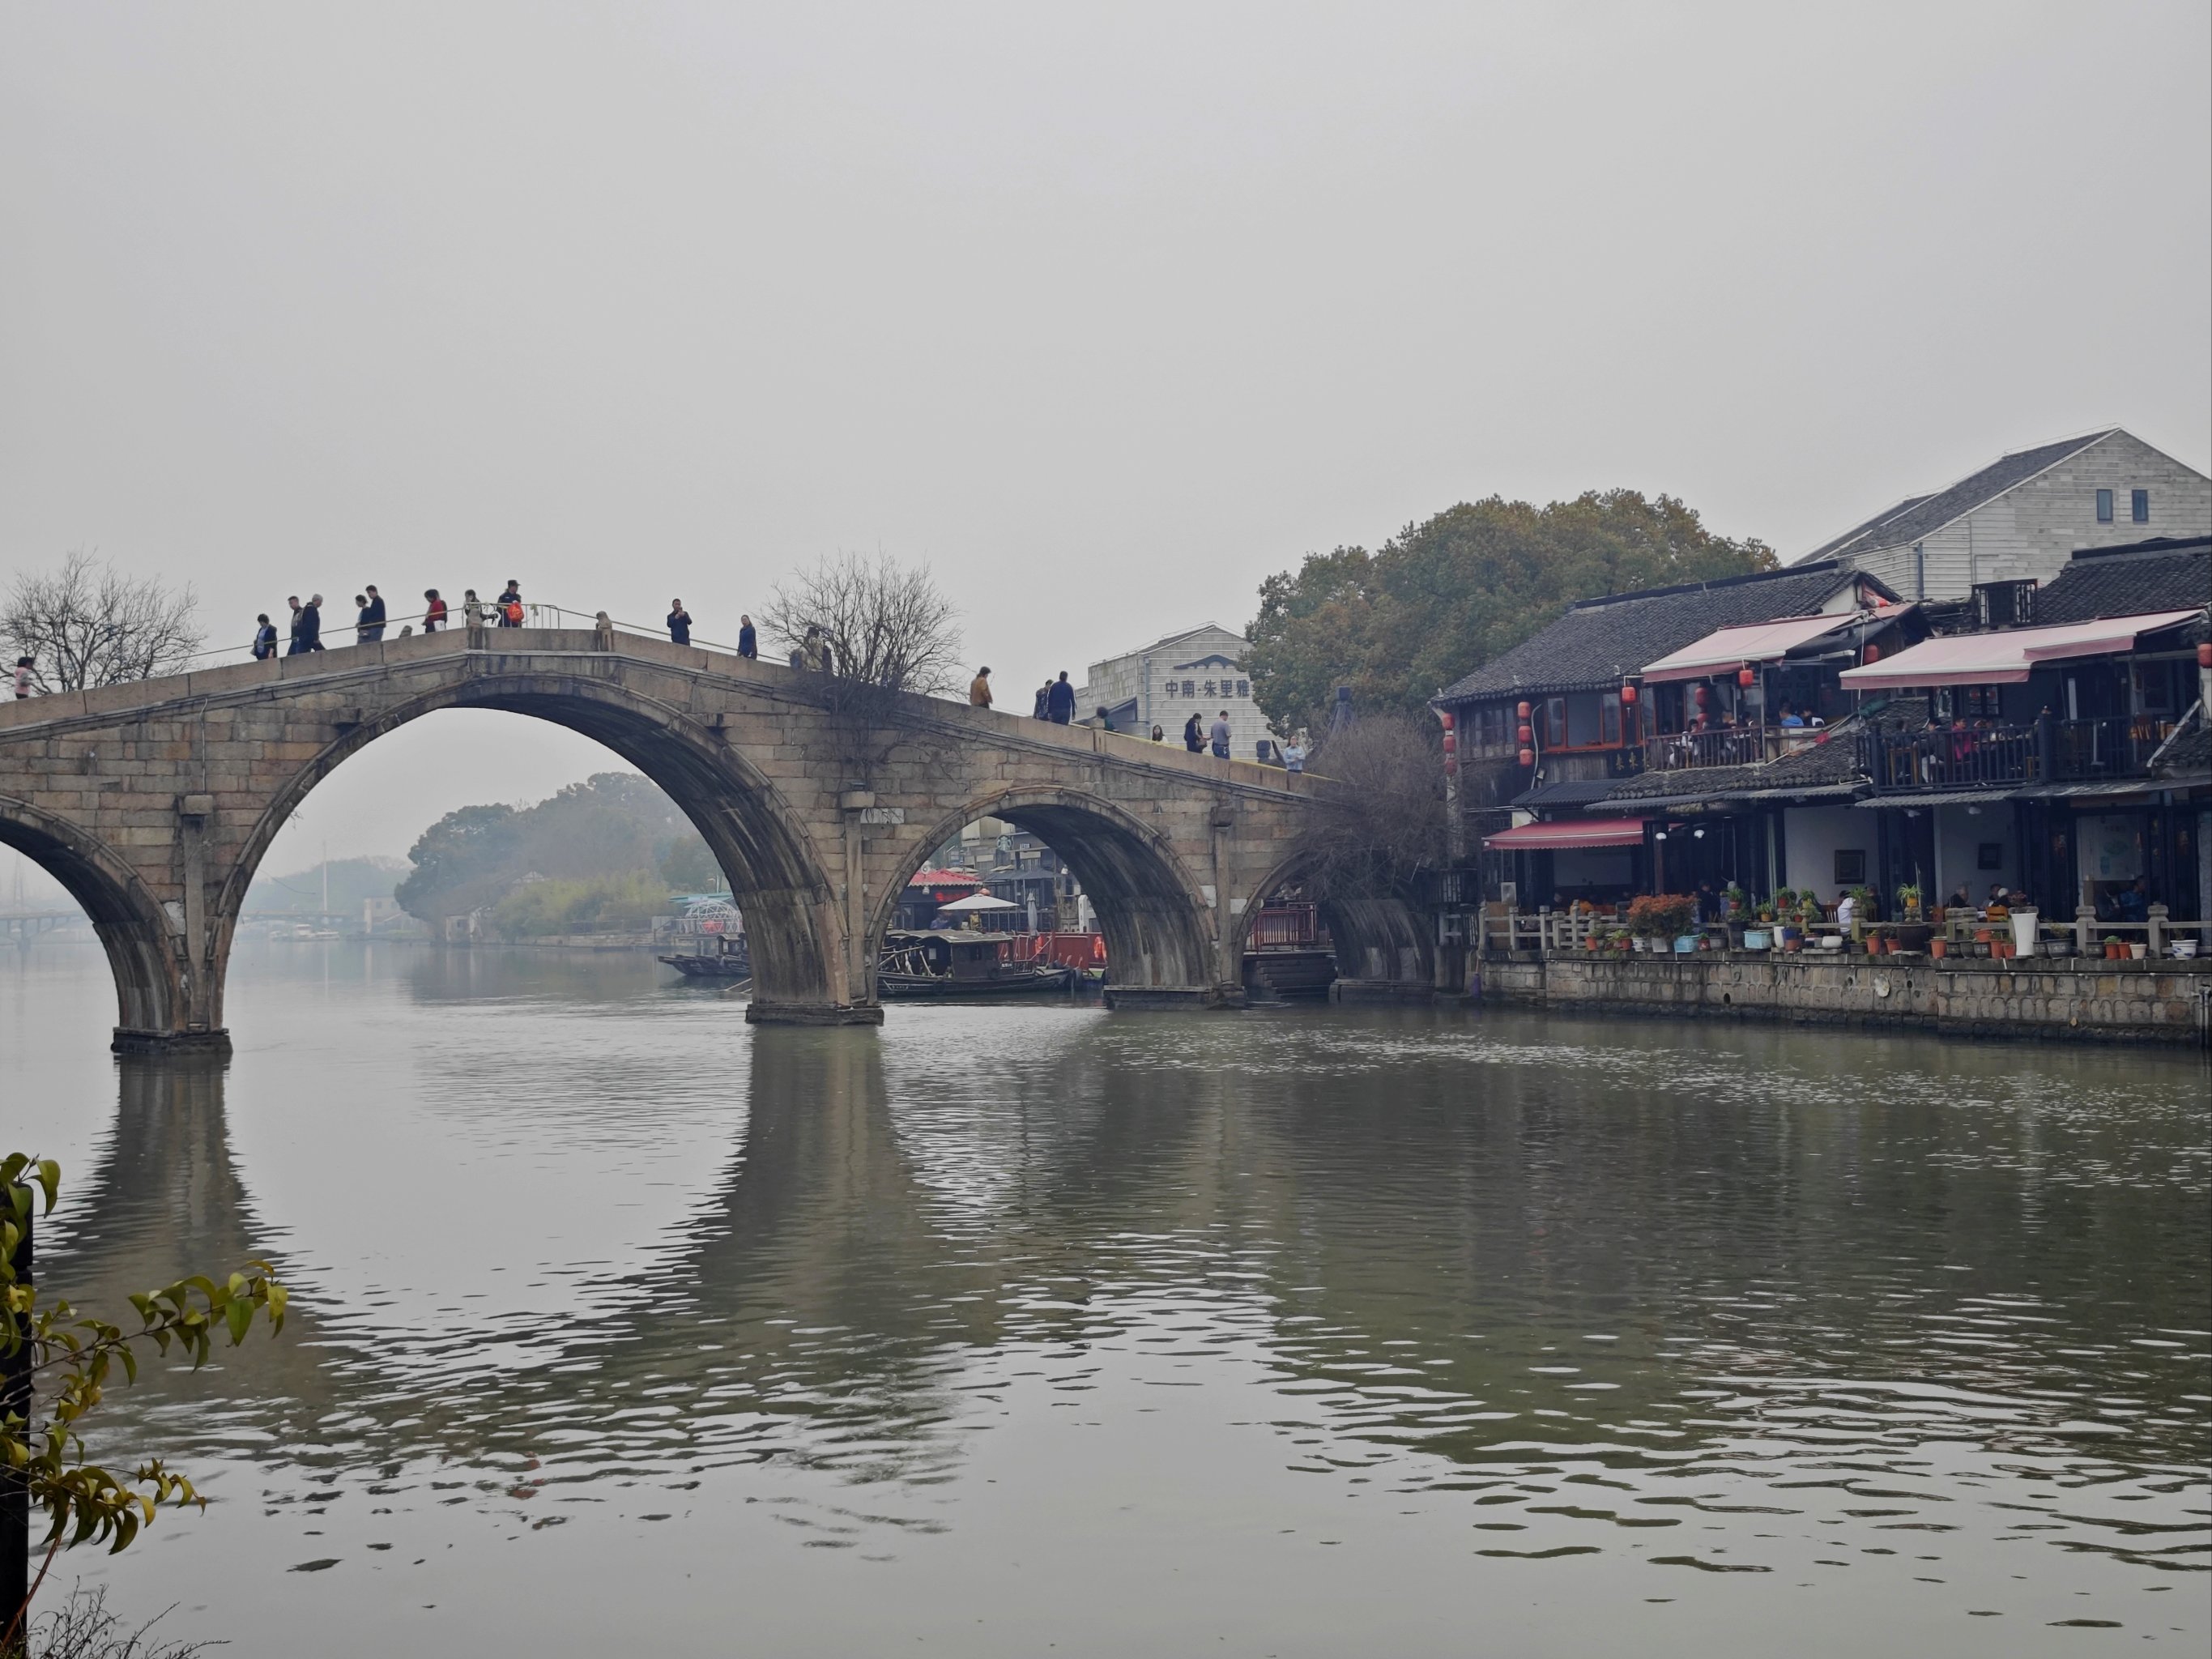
x=153 y=803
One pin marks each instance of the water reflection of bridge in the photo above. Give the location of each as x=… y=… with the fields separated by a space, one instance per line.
x=856 y=1259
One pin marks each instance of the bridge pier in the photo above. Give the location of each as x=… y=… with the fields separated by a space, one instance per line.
x=1156 y=998
x=170 y=1044
x=758 y=1012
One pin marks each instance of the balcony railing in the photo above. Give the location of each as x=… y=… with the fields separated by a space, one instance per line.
x=1738 y=745
x=2116 y=748
x=1938 y=758
x=2003 y=755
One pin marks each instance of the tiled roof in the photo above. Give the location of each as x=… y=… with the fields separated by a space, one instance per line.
x=1921 y=515
x=2128 y=582
x=2191 y=752
x=1598 y=640
x=1567 y=791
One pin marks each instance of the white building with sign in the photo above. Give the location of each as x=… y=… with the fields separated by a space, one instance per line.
x=1201 y=670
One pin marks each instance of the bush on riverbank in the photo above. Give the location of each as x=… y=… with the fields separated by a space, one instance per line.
x=603 y=904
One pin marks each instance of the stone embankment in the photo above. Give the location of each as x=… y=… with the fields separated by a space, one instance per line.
x=2076 y=999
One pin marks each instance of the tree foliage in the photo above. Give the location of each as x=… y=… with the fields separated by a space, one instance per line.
x=611 y=826
x=87 y=624
x=72 y=1359
x=1443 y=598
x=602 y=904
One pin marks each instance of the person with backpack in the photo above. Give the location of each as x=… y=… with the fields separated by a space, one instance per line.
x=434 y=610
x=264 y=638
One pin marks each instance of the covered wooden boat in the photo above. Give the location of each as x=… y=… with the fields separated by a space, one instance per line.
x=717 y=956
x=947 y=964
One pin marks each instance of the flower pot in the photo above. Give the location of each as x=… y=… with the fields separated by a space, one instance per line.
x=2138 y=952
x=1874 y=944
x=1793 y=944
x=2112 y=951
x=1936 y=948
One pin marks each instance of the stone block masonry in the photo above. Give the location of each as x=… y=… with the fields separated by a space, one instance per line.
x=154 y=803
x=2071 y=999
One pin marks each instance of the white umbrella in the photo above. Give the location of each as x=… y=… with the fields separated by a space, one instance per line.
x=976 y=902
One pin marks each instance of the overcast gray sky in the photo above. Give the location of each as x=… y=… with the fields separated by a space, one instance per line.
x=1106 y=312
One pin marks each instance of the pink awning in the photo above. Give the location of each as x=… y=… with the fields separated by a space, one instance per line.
x=2005 y=658
x=1726 y=649
x=1569 y=832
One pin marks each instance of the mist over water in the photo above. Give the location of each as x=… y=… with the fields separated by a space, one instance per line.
x=621 y=1326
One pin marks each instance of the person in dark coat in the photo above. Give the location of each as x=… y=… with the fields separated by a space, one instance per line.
x=1193 y=734
x=264 y=638
x=748 y=641
x=1060 y=703
x=679 y=623
x=1043 y=709
x=371 y=620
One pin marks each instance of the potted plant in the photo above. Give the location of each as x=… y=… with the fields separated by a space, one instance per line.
x=2111 y=947
x=1908 y=896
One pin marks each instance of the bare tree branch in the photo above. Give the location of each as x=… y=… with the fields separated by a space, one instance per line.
x=889 y=630
x=88 y=625
x=1384 y=820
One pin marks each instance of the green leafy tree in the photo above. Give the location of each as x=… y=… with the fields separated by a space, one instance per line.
x=1444 y=597
x=687 y=865
x=460 y=862
x=613 y=824
x=52 y=1352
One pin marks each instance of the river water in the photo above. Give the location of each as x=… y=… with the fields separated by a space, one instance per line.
x=621 y=1327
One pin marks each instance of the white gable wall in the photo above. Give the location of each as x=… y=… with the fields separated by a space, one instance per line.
x=2032 y=528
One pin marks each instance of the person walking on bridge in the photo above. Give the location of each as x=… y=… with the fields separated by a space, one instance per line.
x=264 y=638
x=510 y=604
x=1194 y=736
x=979 y=689
x=434 y=610
x=1043 y=709
x=371 y=620
x=679 y=623
x=748 y=641
x=1059 y=700
x=1220 y=735
x=23 y=667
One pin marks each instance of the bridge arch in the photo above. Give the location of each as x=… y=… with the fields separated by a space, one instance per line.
x=153 y=992
x=1382 y=945
x=758 y=840
x=1153 y=913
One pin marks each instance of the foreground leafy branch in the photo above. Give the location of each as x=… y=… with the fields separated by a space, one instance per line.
x=54 y=1352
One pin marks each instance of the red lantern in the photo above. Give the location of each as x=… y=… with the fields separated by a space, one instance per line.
x=1745 y=679
x=1522 y=712
x=1873 y=653
x=1528 y=758
x=1628 y=693
x=1527 y=734
x=2204 y=655
x=1445 y=716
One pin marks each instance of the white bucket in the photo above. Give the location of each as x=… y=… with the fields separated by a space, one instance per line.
x=2023 y=932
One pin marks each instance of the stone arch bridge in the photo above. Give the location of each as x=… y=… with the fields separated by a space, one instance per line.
x=154 y=803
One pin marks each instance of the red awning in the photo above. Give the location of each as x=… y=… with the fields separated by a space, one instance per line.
x=1727 y=649
x=1569 y=832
